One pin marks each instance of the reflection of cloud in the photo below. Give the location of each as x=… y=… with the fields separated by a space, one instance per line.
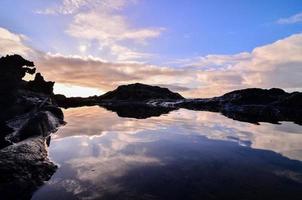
x=284 y=138
x=96 y=163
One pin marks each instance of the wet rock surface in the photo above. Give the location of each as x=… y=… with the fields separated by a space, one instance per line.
x=28 y=117
x=24 y=167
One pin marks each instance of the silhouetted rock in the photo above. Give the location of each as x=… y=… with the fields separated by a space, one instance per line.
x=252 y=105
x=12 y=69
x=27 y=118
x=254 y=96
x=39 y=85
x=140 y=92
x=65 y=102
x=293 y=100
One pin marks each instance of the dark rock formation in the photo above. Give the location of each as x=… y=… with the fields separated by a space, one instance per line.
x=253 y=105
x=23 y=168
x=65 y=102
x=12 y=70
x=254 y=96
x=39 y=85
x=28 y=116
x=250 y=105
x=140 y=92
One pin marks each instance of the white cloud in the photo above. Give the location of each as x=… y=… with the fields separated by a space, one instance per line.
x=101 y=22
x=291 y=20
x=112 y=32
x=11 y=43
x=274 y=65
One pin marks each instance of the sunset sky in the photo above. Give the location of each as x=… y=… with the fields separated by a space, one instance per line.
x=200 y=48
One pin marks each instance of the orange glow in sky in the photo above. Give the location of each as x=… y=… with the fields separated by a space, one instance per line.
x=76 y=91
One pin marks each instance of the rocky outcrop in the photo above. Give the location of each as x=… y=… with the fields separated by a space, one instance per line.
x=24 y=167
x=251 y=105
x=39 y=85
x=70 y=102
x=12 y=70
x=28 y=117
x=140 y=92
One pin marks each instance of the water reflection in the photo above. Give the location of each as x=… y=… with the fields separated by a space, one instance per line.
x=180 y=155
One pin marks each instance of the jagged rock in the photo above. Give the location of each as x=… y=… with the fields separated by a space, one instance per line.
x=39 y=85
x=12 y=69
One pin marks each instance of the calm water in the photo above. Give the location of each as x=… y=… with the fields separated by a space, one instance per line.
x=181 y=155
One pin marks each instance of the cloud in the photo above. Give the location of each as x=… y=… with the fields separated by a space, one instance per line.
x=101 y=22
x=92 y=72
x=274 y=65
x=297 y=18
x=68 y=7
x=11 y=43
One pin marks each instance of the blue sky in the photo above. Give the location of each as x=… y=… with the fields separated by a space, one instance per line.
x=176 y=34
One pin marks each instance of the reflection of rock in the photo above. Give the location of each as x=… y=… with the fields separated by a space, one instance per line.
x=136 y=110
x=23 y=168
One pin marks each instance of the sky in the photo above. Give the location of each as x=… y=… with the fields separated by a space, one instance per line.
x=199 y=48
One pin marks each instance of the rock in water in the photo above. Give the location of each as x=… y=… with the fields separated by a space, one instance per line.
x=24 y=167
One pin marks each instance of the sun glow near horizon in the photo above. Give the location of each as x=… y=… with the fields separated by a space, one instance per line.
x=70 y=90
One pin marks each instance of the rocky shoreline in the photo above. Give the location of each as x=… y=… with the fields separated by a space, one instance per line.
x=31 y=112
x=250 y=105
x=29 y=116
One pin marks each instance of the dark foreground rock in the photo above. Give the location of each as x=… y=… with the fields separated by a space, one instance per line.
x=28 y=117
x=24 y=167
